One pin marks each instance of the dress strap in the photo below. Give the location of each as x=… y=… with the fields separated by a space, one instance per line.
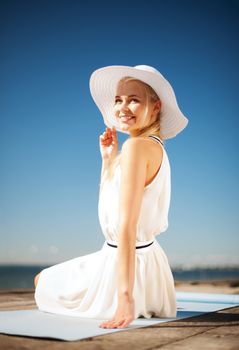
x=157 y=138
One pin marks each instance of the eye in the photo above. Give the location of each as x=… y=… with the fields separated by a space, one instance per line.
x=132 y=99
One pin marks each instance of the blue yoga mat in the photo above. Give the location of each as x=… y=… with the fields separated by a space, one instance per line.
x=35 y=323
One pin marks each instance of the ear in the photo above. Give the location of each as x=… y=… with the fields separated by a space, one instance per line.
x=157 y=107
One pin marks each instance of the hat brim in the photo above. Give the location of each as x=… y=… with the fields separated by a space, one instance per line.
x=103 y=84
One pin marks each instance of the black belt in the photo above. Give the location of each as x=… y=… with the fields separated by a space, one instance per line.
x=142 y=246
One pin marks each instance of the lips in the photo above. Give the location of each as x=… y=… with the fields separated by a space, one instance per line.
x=126 y=118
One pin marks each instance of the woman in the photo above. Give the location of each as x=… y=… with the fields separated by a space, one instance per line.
x=130 y=276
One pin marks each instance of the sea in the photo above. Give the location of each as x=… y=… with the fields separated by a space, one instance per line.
x=22 y=276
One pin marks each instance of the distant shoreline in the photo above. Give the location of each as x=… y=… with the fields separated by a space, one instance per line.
x=22 y=276
x=179 y=267
x=217 y=287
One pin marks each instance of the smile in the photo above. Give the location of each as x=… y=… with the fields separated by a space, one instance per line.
x=126 y=119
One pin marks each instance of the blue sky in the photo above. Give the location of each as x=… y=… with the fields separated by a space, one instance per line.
x=49 y=125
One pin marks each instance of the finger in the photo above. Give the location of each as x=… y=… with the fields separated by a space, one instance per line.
x=105 y=136
x=110 y=324
x=106 y=322
x=127 y=321
x=103 y=325
x=124 y=324
x=102 y=140
x=106 y=326
x=119 y=323
x=108 y=141
x=114 y=133
x=108 y=133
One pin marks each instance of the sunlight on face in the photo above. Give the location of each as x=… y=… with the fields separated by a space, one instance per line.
x=130 y=104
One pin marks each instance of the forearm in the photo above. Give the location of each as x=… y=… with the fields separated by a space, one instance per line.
x=104 y=167
x=126 y=262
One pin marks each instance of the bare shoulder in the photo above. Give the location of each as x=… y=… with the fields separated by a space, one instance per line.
x=135 y=147
x=141 y=157
x=133 y=142
x=143 y=147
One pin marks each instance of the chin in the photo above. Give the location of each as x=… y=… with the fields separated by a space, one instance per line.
x=125 y=127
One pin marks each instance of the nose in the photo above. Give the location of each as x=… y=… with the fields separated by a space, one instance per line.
x=123 y=107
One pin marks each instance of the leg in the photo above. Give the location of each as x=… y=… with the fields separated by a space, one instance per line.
x=36 y=279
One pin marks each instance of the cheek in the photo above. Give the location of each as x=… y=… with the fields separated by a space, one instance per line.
x=137 y=109
x=115 y=110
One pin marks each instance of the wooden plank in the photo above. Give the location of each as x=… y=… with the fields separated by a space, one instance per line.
x=204 y=332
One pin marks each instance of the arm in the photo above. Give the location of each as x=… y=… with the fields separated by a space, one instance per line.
x=133 y=178
x=104 y=167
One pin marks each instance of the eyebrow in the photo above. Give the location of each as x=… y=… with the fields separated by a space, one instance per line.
x=128 y=96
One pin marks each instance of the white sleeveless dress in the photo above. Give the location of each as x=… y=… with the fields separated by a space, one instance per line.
x=86 y=286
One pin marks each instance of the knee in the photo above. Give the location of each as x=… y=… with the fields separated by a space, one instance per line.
x=36 y=279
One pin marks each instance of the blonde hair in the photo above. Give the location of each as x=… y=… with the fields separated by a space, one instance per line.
x=152 y=129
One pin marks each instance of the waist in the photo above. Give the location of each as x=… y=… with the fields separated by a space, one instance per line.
x=139 y=245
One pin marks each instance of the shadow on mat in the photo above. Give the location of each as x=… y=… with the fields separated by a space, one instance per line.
x=204 y=319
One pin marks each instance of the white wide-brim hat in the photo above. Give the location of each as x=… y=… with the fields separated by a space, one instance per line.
x=103 y=84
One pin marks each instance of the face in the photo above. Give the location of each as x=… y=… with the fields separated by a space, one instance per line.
x=129 y=107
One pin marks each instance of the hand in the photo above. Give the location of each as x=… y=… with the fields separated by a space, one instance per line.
x=109 y=144
x=124 y=314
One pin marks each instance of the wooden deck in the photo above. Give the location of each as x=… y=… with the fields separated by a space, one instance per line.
x=217 y=330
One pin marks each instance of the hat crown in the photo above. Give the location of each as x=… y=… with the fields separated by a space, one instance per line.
x=146 y=68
